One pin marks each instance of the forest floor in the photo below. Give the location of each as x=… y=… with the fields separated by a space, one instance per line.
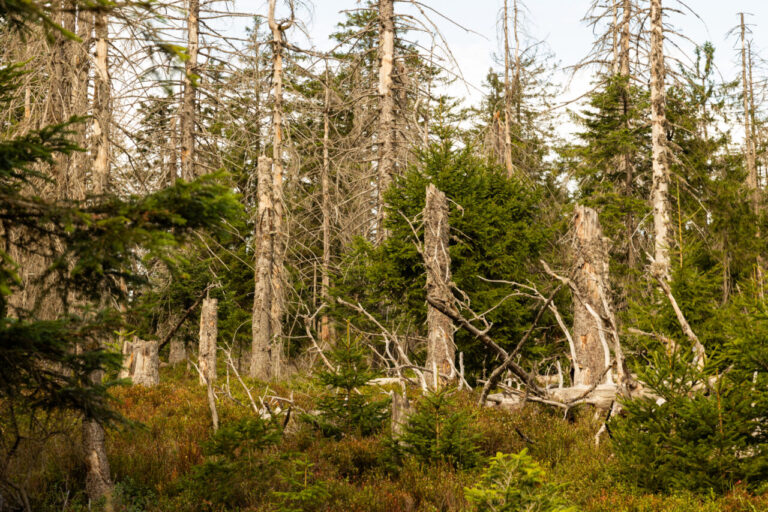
x=161 y=461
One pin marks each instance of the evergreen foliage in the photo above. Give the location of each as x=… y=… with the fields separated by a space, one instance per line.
x=439 y=431
x=346 y=408
x=496 y=233
x=514 y=482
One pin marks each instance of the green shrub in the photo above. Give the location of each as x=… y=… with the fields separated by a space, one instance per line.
x=344 y=409
x=304 y=492
x=514 y=482
x=439 y=431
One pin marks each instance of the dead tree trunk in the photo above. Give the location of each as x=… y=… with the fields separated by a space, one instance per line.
x=325 y=327
x=441 y=351
x=141 y=363
x=188 y=171
x=177 y=352
x=208 y=335
x=660 y=185
x=266 y=335
x=507 y=90
x=749 y=144
x=279 y=242
x=589 y=336
x=386 y=129
x=101 y=112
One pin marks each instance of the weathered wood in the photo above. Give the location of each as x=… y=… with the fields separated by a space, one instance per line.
x=590 y=278
x=141 y=363
x=401 y=409
x=266 y=348
x=189 y=100
x=441 y=350
x=208 y=336
x=660 y=183
x=386 y=128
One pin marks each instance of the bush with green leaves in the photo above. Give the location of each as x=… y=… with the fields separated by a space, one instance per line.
x=438 y=431
x=514 y=482
x=347 y=408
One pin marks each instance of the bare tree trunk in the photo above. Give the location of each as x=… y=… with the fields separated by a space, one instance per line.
x=660 y=186
x=749 y=143
x=507 y=92
x=98 y=481
x=264 y=260
x=592 y=351
x=188 y=171
x=208 y=336
x=386 y=130
x=279 y=241
x=101 y=107
x=441 y=351
x=325 y=327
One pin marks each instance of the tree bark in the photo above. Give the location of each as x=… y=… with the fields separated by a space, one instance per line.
x=177 y=353
x=386 y=128
x=188 y=171
x=208 y=336
x=98 y=481
x=101 y=106
x=591 y=276
x=660 y=185
x=266 y=350
x=441 y=351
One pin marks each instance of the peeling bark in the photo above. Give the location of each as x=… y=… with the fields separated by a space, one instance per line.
x=441 y=351
x=141 y=363
x=591 y=276
x=188 y=171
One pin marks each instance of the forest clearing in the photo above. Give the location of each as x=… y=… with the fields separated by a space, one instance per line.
x=247 y=269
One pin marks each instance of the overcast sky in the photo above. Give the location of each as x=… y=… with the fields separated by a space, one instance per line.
x=555 y=22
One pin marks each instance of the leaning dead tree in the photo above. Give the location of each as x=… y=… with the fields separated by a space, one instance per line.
x=441 y=351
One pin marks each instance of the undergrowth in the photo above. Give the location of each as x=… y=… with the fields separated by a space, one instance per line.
x=170 y=460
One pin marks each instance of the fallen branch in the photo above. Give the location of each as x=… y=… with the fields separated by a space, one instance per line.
x=488 y=341
x=499 y=371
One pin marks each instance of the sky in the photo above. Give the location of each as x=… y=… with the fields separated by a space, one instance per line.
x=558 y=23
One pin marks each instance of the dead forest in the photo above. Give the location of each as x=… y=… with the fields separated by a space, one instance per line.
x=243 y=271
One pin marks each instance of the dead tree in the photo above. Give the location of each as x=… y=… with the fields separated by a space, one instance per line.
x=590 y=277
x=441 y=351
x=208 y=336
x=101 y=106
x=386 y=128
x=660 y=184
x=266 y=350
x=749 y=144
x=188 y=107
x=325 y=205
